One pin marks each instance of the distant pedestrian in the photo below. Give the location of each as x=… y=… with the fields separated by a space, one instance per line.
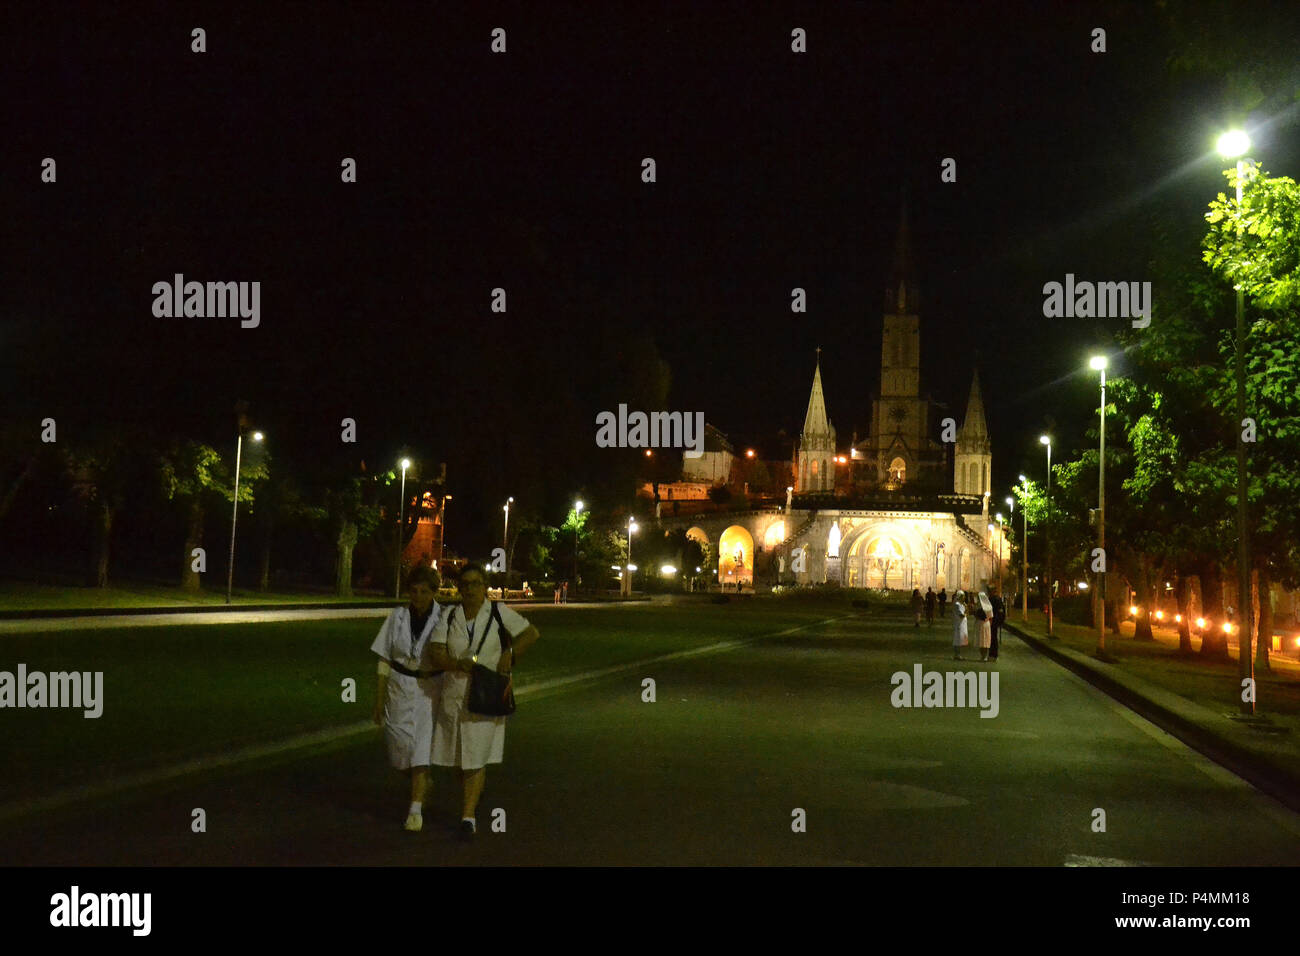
x=999 y=618
x=943 y=601
x=918 y=605
x=564 y=592
x=984 y=614
x=959 y=638
x=929 y=607
x=557 y=594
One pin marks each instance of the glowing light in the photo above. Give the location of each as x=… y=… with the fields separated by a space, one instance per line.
x=667 y=570
x=257 y=436
x=1233 y=143
x=631 y=567
x=749 y=453
x=1178 y=618
x=1200 y=622
x=648 y=453
x=1160 y=615
x=1133 y=609
x=1083 y=585
x=1097 y=362
x=1227 y=628
x=406 y=463
x=1044 y=440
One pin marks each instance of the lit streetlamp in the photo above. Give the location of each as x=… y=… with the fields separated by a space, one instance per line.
x=630 y=567
x=234 y=516
x=442 y=544
x=505 y=541
x=1233 y=145
x=577 y=510
x=1044 y=439
x=1099 y=363
x=1001 y=535
x=1024 y=557
x=401 y=518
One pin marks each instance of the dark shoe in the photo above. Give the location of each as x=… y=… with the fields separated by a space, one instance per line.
x=466 y=830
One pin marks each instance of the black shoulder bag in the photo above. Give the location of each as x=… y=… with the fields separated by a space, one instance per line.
x=491 y=694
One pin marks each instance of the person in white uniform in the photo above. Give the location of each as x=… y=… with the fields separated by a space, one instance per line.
x=959 y=635
x=408 y=686
x=985 y=616
x=468 y=634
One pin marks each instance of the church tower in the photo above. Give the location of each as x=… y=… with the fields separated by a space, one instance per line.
x=900 y=416
x=816 y=442
x=973 y=459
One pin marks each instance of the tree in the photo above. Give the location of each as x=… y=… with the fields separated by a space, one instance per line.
x=103 y=464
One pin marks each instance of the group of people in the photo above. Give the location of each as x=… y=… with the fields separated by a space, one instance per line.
x=988 y=609
x=427 y=654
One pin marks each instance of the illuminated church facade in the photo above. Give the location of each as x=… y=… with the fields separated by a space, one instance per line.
x=900 y=508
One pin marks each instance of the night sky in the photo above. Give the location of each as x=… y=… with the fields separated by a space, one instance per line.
x=522 y=170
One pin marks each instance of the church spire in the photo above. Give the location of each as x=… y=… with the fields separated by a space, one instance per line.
x=901 y=297
x=815 y=422
x=973 y=427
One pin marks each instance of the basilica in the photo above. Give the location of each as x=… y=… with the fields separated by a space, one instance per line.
x=905 y=506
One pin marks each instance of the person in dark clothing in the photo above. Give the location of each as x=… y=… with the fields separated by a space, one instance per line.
x=999 y=616
x=918 y=605
x=929 y=607
x=943 y=600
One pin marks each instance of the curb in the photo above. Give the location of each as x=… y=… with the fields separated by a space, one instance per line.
x=1280 y=782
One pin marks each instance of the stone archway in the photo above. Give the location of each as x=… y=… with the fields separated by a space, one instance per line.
x=736 y=557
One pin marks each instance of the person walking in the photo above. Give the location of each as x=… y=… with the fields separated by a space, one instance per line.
x=487 y=633
x=959 y=637
x=409 y=688
x=984 y=613
x=943 y=601
x=918 y=605
x=929 y=607
x=999 y=618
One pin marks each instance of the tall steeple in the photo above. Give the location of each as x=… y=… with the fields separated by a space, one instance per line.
x=973 y=457
x=901 y=296
x=817 y=441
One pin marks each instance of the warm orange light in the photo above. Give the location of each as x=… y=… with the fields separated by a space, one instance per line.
x=1178 y=618
x=1200 y=622
x=1227 y=628
x=1133 y=609
x=648 y=453
x=749 y=453
x=1160 y=615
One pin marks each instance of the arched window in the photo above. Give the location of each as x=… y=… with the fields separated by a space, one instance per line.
x=833 y=542
x=984 y=477
x=813 y=468
x=898 y=470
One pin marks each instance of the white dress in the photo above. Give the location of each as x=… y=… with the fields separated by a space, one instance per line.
x=460 y=738
x=411 y=701
x=959 y=638
x=986 y=625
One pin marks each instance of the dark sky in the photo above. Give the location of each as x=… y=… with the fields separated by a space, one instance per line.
x=475 y=170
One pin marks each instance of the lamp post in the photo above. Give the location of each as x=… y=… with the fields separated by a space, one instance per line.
x=1099 y=363
x=577 y=511
x=1048 y=442
x=401 y=517
x=234 y=516
x=1011 y=503
x=1233 y=145
x=1024 y=558
x=505 y=543
x=627 y=567
x=442 y=544
x=1000 y=537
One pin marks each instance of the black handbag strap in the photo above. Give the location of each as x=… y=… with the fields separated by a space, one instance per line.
x=494 y=614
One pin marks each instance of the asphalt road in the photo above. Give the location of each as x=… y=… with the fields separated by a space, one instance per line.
x=714 y=771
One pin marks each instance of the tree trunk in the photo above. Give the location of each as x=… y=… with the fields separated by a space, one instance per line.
x=103 y=533
x=190 y=580
x=347 y=540
x=1264 y=616
x=1182 y=595
x=1214 y=643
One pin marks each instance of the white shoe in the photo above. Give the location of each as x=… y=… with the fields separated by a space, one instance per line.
x=414 y=823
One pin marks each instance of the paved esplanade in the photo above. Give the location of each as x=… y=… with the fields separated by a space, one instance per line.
x=711 y=772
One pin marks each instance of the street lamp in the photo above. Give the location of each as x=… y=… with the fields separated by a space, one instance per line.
x=401 y=517
x=505 y=539
x=1099 y=363
x=1050 y=623
x=1000 y=537
x=234 y=516
x=1233 y=145
x=577 y=510
x=627 y=578
x=442 y=544
x=1024 y=556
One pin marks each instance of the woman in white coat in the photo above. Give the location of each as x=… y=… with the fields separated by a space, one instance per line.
x=959 y=638
x=985 y=616
x=408 y=687
x=467 y=635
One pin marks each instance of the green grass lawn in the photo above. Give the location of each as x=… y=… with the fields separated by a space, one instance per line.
x=177 y=693
x=17 y=596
